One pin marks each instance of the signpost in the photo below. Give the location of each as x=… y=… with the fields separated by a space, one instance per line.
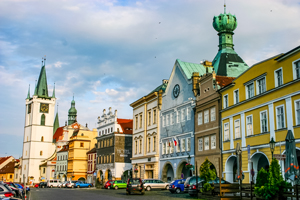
x=280 y=157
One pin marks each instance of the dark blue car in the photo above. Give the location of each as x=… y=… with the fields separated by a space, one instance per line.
x=177 y=186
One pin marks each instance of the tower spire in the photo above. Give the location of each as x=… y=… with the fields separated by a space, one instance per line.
x=35 y=89
x=55 y=124
x=224 y=6
x=53 y=94
x=28 y=95
x=42 y=87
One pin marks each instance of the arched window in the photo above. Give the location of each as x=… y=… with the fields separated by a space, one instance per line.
x=42 y=139
x=43 y=119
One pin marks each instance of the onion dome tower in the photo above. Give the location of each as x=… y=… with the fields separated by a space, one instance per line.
x=72 y=116
x=227 y=62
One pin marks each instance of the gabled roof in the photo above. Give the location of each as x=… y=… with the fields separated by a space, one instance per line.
x=294 y=50
x=3 y=159
x=64 y=148
x=223 y=81
x=161 y=87
x=188 y=68
x=58 y=133
x=9 y=168
x=93 y=150
x=126 y=125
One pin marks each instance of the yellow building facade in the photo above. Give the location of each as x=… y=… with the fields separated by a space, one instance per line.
x=80 y=143
x=261 y=104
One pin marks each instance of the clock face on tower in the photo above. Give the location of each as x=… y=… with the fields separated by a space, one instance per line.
x=176 y=90
x=44 y=108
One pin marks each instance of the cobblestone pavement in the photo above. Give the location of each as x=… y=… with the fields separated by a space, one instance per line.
x=92 y=193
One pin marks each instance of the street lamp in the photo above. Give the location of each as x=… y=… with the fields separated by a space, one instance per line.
x=272 y=146
x=136 y=169
x=189 y=159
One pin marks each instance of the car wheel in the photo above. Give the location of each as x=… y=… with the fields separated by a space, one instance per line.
x=72 y=186
x=178 y=190
x=78 y=186
x=89 y=186
x=43 y=186
x=51 y=186
x=116 y=187
x=108 y=187
x=167 y=187
x=148 y=188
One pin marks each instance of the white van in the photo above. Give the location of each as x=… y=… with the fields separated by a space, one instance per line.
x=53 y=183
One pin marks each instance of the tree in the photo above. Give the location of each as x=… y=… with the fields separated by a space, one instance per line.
x=207 y=174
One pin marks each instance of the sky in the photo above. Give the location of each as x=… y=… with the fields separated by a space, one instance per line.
x=110 y=53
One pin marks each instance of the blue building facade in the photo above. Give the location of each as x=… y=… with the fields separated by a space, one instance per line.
x=177 y=122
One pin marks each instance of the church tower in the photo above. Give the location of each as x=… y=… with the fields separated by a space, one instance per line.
x=38 y=130
x=72 y=116
x=227 y=62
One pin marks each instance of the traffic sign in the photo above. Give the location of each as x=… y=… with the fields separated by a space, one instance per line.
x=279 y=156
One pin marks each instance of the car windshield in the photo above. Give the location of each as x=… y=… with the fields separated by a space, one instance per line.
x=134 y=181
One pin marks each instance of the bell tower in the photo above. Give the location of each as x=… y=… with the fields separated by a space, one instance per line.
x=72 y=115
x=38 y=130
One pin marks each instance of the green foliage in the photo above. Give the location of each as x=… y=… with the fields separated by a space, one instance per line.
x=207 y=174
x=274 y=186
x=98 y=183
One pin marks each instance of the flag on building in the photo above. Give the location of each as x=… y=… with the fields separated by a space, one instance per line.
x=175 y=142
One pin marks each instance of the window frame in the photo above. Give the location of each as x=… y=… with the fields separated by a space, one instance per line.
x=213 y=117
x=154 y=116
x=283 y=115
x=206 y=139
x=249 y=116
x=276 y=77
x=228 y=135
x=260 y=120
x=200 y=114
x=247 y=90
x=236 y=97
x=182 y=114
x=200 y=144
x=149 y=117
x=239 y=128
x=188 y=142
x=183 y=145
x=225 y=101
x=294 y=69
x=297 y=123
x=211 y=142
x=258 y=85
x=206 y=117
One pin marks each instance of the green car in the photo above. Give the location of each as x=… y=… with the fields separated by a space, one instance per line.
x=119 y=184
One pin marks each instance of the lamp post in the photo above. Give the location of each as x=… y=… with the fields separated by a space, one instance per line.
x=272 y=146
x=136 y=169
x=189 y=159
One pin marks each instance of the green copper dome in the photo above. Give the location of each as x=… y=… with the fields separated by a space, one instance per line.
x=72 y=116
x=225 y=23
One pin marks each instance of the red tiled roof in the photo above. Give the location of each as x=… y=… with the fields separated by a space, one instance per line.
x=3 y=159
x=9 y=168
x=126 y=125
x=58 y=134
x=93 y=150
x=223 y=81
x=64 y=148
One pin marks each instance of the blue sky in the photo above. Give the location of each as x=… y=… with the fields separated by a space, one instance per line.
x=110 y=53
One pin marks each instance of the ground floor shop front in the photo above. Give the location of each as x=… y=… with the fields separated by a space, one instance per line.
x=145 y=168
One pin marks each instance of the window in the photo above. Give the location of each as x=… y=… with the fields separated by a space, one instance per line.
x=250 y=90
x=263 y=121
x=154 y=143
x=168 y=120
x=167 y=147
x=213 y=114
x=149 y=143
x=111 y=129
x=172 y=147
x=178 y=116
x=226 y=131
x=81 y=144
x=41 y=153
x=225 y=101
x=164 y=148
x=200 y=144
x=188 y=113
x=164 y=121
x=278 y=77
x=206 y=143
x=249 y=122
x=236 y=96
x=261 y=85
x=206 y=116
x=43 y=119
x=178 y=146
x=136 y=147
x=29 y=108
x=154 y=116
x=213 y=142
x=296 y=69
x=183 y=115
x=183 y=144
x=105 y=131
x=188 y=148
x=280 y=117
x=237 y=128
x=141 y=121
x=200 y=118
x=140 y=151
x=42 y=139
x=136 y=122
x=297 y=107
x=172 y=118
x=149 y=118
x=44 y=170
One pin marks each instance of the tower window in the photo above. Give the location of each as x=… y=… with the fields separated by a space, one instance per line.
x=43 y=119
x=41 y=153
x=81 y=144
x=42 y=139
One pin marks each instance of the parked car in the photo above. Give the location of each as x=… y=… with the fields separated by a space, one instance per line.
x=43 y=184
x=193 y=188
x=71 y=184
x=135 y=185
x=16 y=189
x=177 y=186
x=155 y=184
x=63 y=185
x=119 y=184
x=189 y=181
x=52 y=183
x=6 y=191
x=27 y=187
x=80 y=184
x=108 y=184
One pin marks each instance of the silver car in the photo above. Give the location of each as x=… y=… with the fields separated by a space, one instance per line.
x=150 y=184
x=6 y=192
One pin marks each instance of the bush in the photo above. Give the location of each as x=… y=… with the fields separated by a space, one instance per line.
x=98 y=185
x=262 y=178
x=207 y=174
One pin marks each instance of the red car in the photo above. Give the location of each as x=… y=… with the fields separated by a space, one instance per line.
x=36 y=185
x=108 y=185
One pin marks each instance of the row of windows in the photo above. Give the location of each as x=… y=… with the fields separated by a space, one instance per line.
x=62 y=157
x=260 y=84
x=178 y=116
x=105 y=143
x=105 y=159
x=280 y=121
x=91 y=156
x=206 y=116
x=106 y=131
x=61 y=168
x=151 y=115
x=206 y=143
x=182 y=145
x=139 y=145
